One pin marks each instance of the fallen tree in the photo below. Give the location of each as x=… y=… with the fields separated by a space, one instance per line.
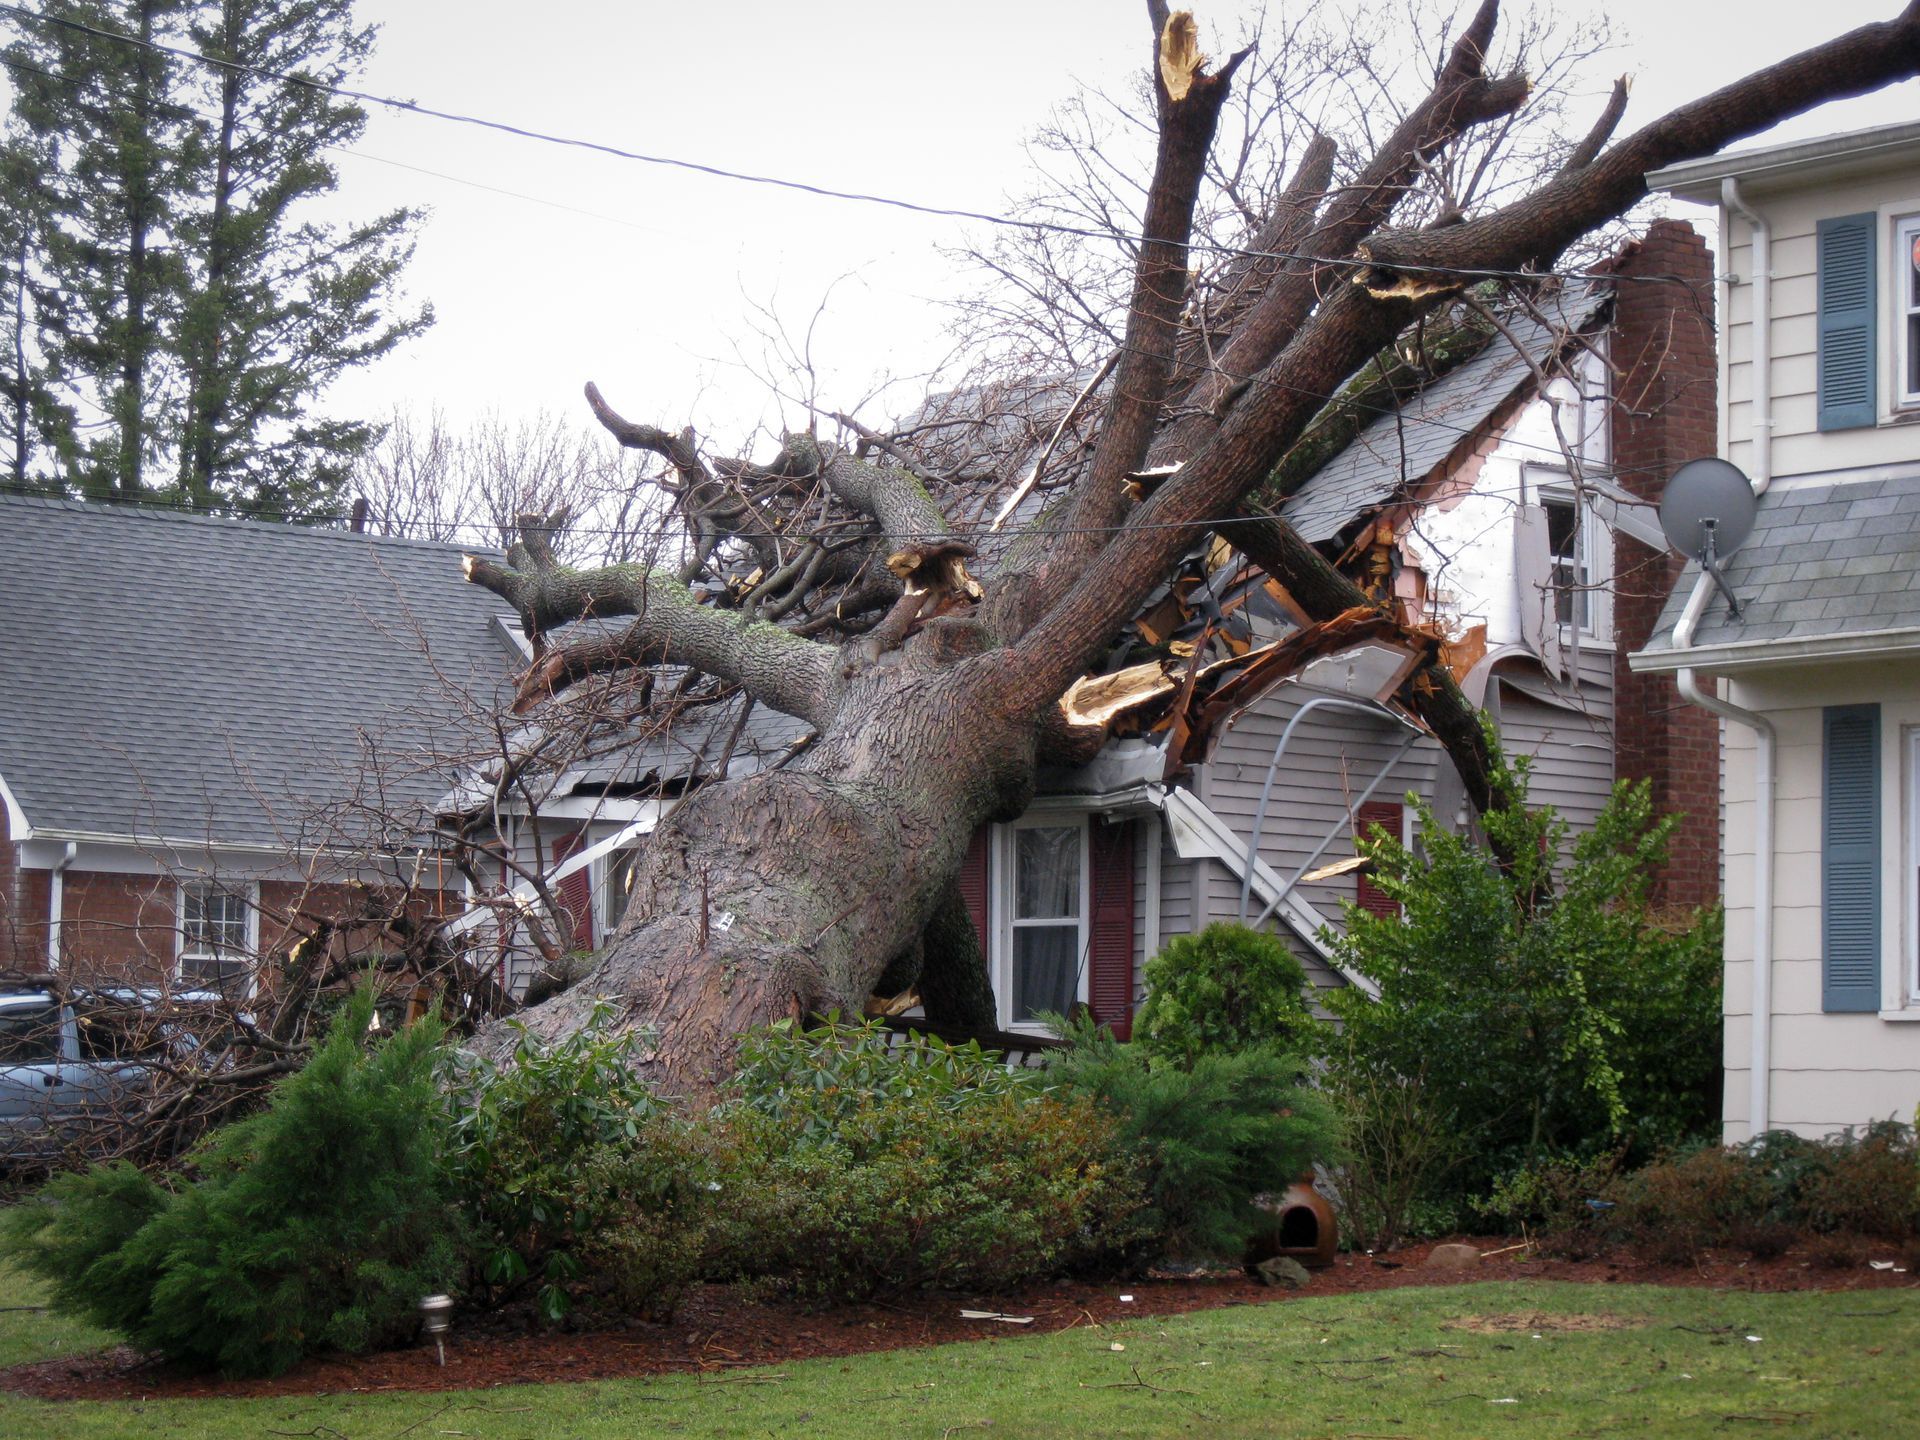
x=833 y=584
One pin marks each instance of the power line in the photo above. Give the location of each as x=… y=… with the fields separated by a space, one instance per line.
x=411 y=107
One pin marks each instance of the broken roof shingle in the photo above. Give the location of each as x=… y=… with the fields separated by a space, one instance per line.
x=1404 y=446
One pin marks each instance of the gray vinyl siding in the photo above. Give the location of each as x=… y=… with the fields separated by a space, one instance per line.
x=1571 y=747
x=1176 y=901
x=1336 y=753
x=1332 y=757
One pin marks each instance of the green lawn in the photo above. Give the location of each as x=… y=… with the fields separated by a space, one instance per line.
x=1395 y=1363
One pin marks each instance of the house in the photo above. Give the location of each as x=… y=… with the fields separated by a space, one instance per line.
x=1817 y=678
x=208 y=725
x=1495 y=505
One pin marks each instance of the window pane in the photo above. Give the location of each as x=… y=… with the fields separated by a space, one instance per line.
x=29 y=1036
x=617 y=888
x=213 y=919
x=1046 y=972
x=1047 y=862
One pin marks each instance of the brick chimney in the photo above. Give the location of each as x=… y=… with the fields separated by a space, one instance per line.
x=1664 y=414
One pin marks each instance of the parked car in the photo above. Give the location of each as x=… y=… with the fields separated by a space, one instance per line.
x=75 y=1066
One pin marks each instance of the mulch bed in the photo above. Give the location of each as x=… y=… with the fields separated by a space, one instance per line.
x=718 y=1333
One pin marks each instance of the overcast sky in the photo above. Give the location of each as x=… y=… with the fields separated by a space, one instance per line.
x=646 y=279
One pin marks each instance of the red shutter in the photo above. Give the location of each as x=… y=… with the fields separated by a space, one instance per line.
x=1110 y=953
x=973 y=886
x=575 y=893
x=1388 y=815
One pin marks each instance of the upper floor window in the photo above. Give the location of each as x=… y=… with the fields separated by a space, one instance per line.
x=1567 y=550
x=1907 y=316
x=1868 y=316
x=216 y=941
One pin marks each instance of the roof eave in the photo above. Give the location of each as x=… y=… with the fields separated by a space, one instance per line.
x=1883 y=147
x=1785 y=650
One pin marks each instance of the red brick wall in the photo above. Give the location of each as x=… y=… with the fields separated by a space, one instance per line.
x=117 y=927
x=1664 y=415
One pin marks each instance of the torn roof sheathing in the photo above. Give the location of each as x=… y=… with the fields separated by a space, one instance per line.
x=1405 y=446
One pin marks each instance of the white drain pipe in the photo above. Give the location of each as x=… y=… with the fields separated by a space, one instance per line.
x=1760 y=334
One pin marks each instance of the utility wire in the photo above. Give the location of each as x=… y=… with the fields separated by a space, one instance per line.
x=411 y=107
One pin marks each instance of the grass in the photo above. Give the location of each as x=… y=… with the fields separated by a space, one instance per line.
x=1472 y=1360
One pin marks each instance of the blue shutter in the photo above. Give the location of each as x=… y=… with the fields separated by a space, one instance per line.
x=1848 y=296
x=1850 y=860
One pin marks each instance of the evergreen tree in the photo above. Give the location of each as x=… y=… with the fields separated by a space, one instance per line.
x=117 y=155
x=281 y=305
x=187 y=308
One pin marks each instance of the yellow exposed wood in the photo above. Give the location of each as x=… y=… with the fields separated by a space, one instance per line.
x=1180 y=57
x=1097 y=699
x=1336 y=869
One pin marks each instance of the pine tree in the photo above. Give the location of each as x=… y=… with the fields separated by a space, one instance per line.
x=281 y=305
x=188 y=311
x=118 y=156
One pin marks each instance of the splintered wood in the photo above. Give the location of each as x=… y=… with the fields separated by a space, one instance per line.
x=1180 y=57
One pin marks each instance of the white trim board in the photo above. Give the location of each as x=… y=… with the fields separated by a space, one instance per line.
x=18 y=827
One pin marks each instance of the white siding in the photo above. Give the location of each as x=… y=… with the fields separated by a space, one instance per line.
x=1828 y=1071
x=1798 y=446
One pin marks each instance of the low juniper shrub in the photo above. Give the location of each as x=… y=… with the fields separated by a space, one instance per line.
x=317 y=1223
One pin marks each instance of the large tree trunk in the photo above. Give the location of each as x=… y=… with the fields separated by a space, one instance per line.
x=791 y=891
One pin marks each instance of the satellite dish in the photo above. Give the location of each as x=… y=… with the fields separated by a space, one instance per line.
x=1707 y=513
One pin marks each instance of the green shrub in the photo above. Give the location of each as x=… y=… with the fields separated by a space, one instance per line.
x=1225 y=989
x=1569 y=1205
x=1712 y=1198
x=317 y=1223
x=537 y=1144
x=1210 y=1139
x=1397 y=1144
x=1542 y=1004
x=852 y=1168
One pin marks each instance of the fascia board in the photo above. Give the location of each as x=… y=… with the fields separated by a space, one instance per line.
x=1789 y=650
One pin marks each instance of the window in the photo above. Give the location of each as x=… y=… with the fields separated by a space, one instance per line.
x=1044 y=919
x=1567 y=554
x=615 y=888
x=1906 y=254
x=216 y=941
x=1567 y=587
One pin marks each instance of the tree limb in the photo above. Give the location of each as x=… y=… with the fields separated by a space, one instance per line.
x=792 y=675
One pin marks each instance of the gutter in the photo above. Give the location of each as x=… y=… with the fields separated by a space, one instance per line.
x=1785 y=650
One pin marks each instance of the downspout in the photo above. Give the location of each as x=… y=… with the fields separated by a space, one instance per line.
x=57 y=903
x=1760 y=1057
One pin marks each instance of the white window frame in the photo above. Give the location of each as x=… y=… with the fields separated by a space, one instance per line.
x=248 y=893
x=1002 y=893
x=1902 y=310
x=1593 y=555
x=602 y=877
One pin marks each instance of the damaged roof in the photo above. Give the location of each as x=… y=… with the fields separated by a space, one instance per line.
x=1447 y=418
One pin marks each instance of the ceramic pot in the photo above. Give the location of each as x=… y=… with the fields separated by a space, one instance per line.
x=1304 y=1228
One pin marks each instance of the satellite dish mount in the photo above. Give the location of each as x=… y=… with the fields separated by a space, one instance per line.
x=1707 y=514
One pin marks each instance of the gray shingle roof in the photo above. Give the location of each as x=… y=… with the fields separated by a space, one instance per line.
x=1399 y=449
x=1823 y=560
x=212 y=680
